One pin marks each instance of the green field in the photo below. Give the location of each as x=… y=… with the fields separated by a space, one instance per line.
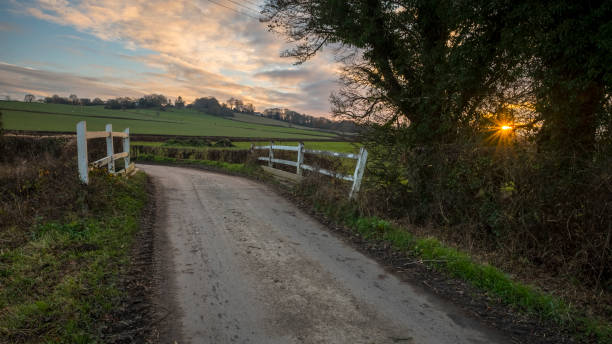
x=57 y=117
x=243 y=117
x=344 y=147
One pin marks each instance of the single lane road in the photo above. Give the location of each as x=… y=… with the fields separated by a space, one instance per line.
x=244 y=265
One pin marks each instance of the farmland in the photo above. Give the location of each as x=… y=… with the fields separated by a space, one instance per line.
x=344 y=147
x=63 y=118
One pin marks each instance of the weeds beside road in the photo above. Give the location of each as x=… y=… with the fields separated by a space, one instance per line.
x=63 y=246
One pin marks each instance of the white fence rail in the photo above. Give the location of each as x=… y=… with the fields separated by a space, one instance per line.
x=83 y=135
x=356 y=178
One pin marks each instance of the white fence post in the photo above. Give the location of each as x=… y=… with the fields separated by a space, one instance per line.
x=109 y=148
x=359 y=169
x=81 y=129
x=356 y=178
x=109 y=159
x=271 y=154
x=300 y=158
x=126 y=148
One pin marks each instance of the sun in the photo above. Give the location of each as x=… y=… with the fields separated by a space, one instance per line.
x=501 y=134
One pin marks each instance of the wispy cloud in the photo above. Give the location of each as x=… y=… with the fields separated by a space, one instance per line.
x=201 y=49
x=7 y=27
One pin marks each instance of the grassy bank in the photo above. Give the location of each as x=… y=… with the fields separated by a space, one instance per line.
x=62 y=283
x=59 y=117
x=232 y=168
x=332 y=202
x=63 y=246
x=340 y=146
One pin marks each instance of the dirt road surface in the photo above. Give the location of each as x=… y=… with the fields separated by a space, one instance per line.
x=240 y=264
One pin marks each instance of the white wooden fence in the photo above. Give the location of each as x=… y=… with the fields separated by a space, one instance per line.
x=111 y=156
x=356 y=178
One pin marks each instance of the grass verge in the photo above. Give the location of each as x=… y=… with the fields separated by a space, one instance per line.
x=63 y=284
x=460 y=265
x=232 y=168
x=337 y=146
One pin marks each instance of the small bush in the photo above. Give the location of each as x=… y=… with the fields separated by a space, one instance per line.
x=514 y=200
x=236 y=156
x=224 y=143
x=191 y=142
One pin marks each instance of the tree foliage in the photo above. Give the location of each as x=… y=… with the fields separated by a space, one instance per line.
x=179 y=103
x=153 y=101
x=446 y=68
x=74 y=99
x=211 y=106
x=434 y=78
x=121 y=103
x=297 y=118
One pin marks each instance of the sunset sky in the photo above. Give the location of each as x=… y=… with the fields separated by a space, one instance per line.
x=110 y=48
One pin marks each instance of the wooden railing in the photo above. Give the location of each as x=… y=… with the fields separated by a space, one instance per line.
x=109 y=160
x=356 y=178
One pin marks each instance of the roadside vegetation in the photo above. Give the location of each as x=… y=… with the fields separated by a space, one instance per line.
x=339 y=146
x=489 y=127
x=63 y=246
x=250 y=170
x=142 y=152
x=518 y=284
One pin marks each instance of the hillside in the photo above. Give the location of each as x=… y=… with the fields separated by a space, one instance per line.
x=58 y=117
x=248 y=118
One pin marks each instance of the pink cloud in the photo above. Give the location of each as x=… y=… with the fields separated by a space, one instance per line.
x=204 y=49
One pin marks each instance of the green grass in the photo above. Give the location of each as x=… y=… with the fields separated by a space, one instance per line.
x=243 y=169
x=59 y=286
x=340 y=146
x=58 y=117
x=337 y=146
x=460 y=265
x=266 y=121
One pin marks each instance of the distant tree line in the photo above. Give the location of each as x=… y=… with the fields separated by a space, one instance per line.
x=296 y=118
x=207 y=105
x=70 y=100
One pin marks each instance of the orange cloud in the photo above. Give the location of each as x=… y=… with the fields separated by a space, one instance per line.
x=204 y=50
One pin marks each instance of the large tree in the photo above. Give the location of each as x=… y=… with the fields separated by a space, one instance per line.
x=74 y=99
x=441 y=66
x=179 y=103
x=424 y=62
x=571 y=46
x=211 y=106
x=153 y=101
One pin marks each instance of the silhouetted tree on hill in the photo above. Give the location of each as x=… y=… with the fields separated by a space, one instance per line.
x=179 y=103
x=211 y=106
